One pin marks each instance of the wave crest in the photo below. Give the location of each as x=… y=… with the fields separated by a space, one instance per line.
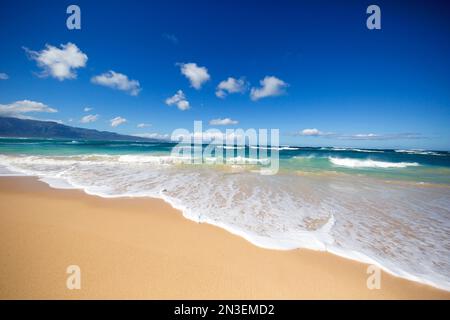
x=368 y=163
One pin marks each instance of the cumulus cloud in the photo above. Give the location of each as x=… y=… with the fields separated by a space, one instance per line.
x=143 y=125
x=59 y=63
x=89 y=118
x=87 y=109
x=18 y=108
x=119 y=81
x=195 y=74
x=3 y=76
x=311 y=132
x=231 y=85
x=178 y=99
x=117 y=121
x=270 y=87
x=223 y=122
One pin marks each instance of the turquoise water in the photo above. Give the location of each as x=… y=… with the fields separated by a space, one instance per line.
x=390 y=208
x=415 y=165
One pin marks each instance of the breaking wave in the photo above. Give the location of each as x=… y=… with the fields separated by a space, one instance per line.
x=368 y=163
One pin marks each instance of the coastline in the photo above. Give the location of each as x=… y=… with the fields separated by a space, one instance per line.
x=145 y=249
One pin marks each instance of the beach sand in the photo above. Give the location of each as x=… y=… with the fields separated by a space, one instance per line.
x=144 y=249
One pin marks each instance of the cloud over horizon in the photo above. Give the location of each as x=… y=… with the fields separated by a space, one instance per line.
x=153 y=135
x=18 y=108
x=311 y=132
x=386 y=136
x=359 y=136
x=208 y=135
x=223 y=122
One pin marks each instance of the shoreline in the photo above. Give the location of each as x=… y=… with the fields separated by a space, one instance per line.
x=144 y=248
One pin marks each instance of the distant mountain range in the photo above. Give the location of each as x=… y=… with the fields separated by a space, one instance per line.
x=23 y=128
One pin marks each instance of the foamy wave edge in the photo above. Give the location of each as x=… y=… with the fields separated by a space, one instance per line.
x=368 y=163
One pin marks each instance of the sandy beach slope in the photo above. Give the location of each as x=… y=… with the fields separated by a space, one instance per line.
x=143 y=248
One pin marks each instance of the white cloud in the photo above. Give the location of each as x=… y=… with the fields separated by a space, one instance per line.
x=365 y=136
x=311 y=132
x=3 y=76
x=196 y=75
x=87 y=109
x=143 y=125
x=59 y=63
x=48 y=120
x=270 y=87
x=152 y=135
x=178 y=99
x=375 y=136
x=89 y=118
x=16 y=109
x=231 y=85
x=117 y=121
x=117 y=81
x=209 y=135
x=183 y=105
x=222 y=122
x=359 y=136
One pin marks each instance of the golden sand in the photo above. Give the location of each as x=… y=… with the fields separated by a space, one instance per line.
x=145 y=249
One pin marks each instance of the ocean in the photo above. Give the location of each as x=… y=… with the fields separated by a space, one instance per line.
x=385 y=207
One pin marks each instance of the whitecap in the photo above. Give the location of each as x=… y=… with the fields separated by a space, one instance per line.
x=368 y=163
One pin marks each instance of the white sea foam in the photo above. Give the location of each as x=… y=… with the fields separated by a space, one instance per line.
x=352 y=149
x=368 y=163
x=367 y=150
x=289 y=148
x=419 y=152
x=6 y=172
x=356 y=217
x=335 y=149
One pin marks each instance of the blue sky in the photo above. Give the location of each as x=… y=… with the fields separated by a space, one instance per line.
x=325 y=71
